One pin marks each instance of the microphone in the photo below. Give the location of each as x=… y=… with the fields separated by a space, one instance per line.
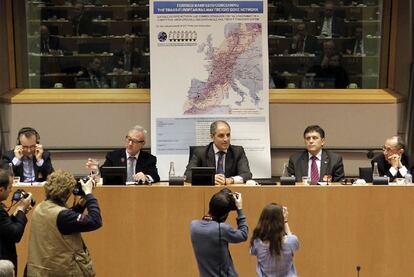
x=358 y=268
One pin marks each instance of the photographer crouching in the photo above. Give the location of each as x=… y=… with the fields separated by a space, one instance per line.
x=12 y=227
x=56 y=247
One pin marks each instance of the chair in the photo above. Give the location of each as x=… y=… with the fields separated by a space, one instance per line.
x=192 y=148
x=366 y=174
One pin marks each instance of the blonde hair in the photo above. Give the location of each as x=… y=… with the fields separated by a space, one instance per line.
x=59 y=185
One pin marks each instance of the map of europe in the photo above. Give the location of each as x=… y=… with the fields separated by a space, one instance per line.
x=235 y=75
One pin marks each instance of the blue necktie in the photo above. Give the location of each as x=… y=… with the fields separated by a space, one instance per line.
x=220 y=163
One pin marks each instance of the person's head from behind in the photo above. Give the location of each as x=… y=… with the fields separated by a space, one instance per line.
x=271 y=227
x=220 y=134
x=314 y=137
x=6 y=268
x=220 y=205
x=59 y=186
x=28 y=138
x=6 y=183
x=135 y=140
x=393 y=146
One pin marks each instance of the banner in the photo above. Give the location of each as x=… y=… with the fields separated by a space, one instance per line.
x=209 y=61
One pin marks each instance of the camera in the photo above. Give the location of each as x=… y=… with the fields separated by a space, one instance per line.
x=20 y=194
x=77 y=190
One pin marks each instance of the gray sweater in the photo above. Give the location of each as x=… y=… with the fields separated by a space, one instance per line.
x=210 y=243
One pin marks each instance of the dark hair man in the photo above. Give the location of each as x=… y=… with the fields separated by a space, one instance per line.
x=393 y=161
x=230 y=161
x=30 y=161
x=210 y=236
x=318 y=164
x=11 y=227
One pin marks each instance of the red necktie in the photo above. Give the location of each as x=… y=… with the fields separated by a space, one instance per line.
x=314 y=170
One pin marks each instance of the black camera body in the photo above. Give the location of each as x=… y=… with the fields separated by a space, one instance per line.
x=77 y=190
x=21 y=194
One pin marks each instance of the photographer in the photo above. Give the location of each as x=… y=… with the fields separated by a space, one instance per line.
x=11 y=227
x=56 y=247
x=210 y=236
x=273 y=243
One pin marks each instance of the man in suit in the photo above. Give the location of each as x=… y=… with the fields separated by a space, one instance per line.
x=303 y=42
x=355 y=46
x=28 y=158
x=330 y=25
x=393 y=162
x=230 y=161
x=319 y=164
x=48 y=44
x=126 y=58
x=141 y=166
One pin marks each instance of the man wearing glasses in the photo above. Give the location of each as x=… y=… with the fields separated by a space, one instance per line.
x=392 y=162
x=29 y=160
x=141 y=166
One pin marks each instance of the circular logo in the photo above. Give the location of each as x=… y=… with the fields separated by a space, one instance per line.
x=162 y=36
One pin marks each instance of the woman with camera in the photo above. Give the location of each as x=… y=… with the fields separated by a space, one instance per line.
x=56 y=247
x=274 y=244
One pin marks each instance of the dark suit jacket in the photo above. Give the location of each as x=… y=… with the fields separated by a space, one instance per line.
x=41 y=172
x=384 y=166
x=236 y=161
x=311 y=45
x=338 y=26
x=146 y=164
x=331 y=164
x=11 y=232
x=118 y=60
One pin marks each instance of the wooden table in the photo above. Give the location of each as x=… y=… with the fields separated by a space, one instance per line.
x=146 y=229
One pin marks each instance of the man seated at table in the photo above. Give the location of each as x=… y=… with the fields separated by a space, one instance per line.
x=314 y=162
x=230 y=161
x=141 y=166
x=28 y=158
x=303 y=42
x=329 y=25
x=49 y=44
x=126 y=58
x=392 y=162
x=93 y=76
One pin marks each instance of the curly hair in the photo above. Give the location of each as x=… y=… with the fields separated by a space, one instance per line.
x=59 y=185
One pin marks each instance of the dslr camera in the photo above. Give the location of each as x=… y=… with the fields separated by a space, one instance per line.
x=21 y=194
x=77 y=190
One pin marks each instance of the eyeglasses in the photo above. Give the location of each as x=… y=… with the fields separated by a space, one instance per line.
x=388 y=149
x=31 y=147
x=133 y=141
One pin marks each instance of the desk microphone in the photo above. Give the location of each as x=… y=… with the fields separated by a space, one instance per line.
x=358 y=268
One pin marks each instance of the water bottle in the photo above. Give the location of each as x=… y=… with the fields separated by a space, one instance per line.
x=285 y=172
x=171 y=173
x=408 y=179
x=375 y=172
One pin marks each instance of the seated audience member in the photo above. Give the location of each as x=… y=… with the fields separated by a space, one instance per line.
x=356 y=45
x=11 y=226
x=330 y=25
x=6 y=268
x=141 y=166
x=126 y=58
x=210 y=236
x=48 y=44
x=230 y=161
x=319 y=164
x=273 y=243
x=303 y=42
x=56 y=247
x=28 y=158
x=78 y=18
x=392 y=162
x=93 y=76
x=329 y=73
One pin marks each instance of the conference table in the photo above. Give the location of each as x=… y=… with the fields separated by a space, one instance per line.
x=146 y=228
